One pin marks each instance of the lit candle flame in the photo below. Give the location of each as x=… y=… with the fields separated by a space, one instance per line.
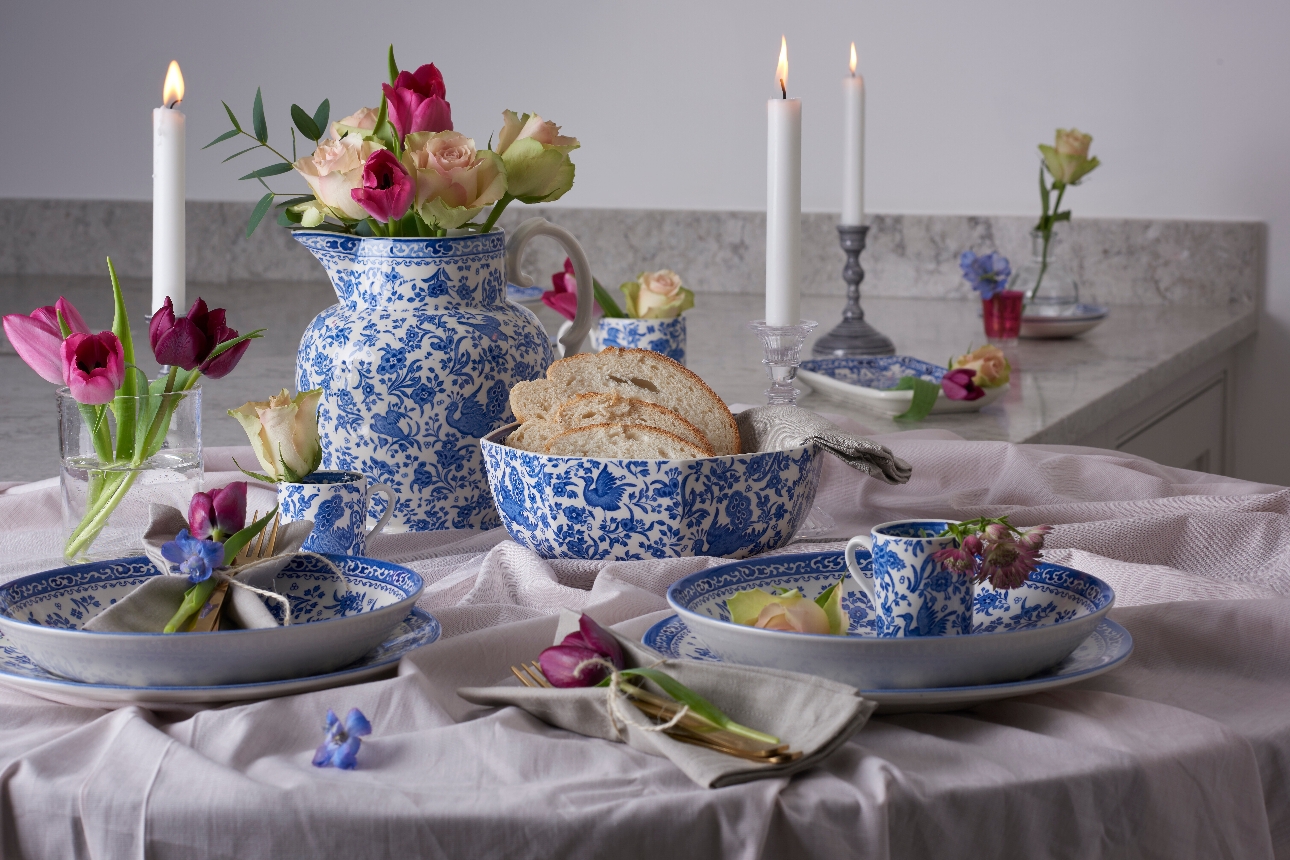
x=853 y=59
x=781 y=71
x=172 y=92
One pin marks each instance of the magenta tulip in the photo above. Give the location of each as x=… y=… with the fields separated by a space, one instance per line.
x=187 y=342
x=213 y=326
x=958 y=385
x=37 y=338
x=93 y=366
x=387 y=190
x=563 y=297
x=219 y=514
x=416 y=102
x=560 y=665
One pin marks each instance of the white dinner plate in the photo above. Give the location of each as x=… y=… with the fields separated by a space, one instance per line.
x=16 y=670
x=1108 y=646
x=868 y=382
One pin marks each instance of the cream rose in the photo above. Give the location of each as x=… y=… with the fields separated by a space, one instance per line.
x=360 y=122
x=455 y=181
x=284 y=433
x=1073 y=142
x=988 y=363
x=657 y=295
x=536 y=156
x=334 y=169
x=1068 y=161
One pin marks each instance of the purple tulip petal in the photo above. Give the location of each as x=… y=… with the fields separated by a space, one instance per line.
x=560 y=662
x=201 y=519
x=71 y=316
x=181 y=345
x=229 y=507
x=601 y=641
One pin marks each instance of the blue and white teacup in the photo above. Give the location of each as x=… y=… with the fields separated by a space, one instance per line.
x=912 y=593
x=337 y=502
x=665 y=336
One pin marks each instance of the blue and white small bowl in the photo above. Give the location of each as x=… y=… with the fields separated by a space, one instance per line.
x=665 y=336
x=598 y=508
x=42 y=615
x=1015 y=633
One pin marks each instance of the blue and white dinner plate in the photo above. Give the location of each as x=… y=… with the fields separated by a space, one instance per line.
x=870 y=382
x=16 y=670
x=1107 y=646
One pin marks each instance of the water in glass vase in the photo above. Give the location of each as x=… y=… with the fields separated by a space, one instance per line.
x=1058 y=292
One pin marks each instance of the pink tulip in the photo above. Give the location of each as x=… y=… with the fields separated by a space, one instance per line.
x=37 y=338
x=93 y=366
x=219 y=514
x=958 y=385
x=563 y=297
x=387 y=190
x=416 y=102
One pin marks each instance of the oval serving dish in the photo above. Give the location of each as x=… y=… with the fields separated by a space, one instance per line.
x=42 y=614
x=599 y=508
x=1015 y=633
x=870 y=381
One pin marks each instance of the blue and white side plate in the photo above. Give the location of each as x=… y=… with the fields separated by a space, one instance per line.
x=1084 y=318
x=870 y=382
x=1015 y=633
x=1106 y=647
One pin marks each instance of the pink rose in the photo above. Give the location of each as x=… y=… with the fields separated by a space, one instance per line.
x=362 y=120
x=387 y=189
x=454 y=180
x=416 y=102
x=334 y=170
x=93 y=366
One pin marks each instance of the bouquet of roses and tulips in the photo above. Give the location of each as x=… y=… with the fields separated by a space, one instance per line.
x=400 y=169
x=100 y=374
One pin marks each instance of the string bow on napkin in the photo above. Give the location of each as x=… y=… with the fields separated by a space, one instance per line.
x=774 y=428
x=149 y=607
x=810 y=714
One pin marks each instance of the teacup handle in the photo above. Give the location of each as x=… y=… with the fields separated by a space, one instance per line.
x=388 y=492
x=571 y=341
x=865 y=580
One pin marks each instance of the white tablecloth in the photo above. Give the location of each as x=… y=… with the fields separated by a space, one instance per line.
x=1184 y=751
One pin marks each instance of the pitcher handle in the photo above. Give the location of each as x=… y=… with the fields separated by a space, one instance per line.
x=571 y=342
x=387 y=491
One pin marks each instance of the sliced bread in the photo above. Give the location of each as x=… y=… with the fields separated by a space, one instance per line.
x=615 y=409
x=625 y=441
x=631 y=373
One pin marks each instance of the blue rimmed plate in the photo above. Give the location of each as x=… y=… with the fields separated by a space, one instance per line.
x=418 y=629
x=870 y=382
x=1016 y=633
x=1106 y=647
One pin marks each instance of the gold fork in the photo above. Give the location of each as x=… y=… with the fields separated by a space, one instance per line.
x=261 y=546
x=689 y=729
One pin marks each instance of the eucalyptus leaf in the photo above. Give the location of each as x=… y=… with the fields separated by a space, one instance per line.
x=257 y=118
x=305 y=123
x=258 y=213
x=288 y=219
x=241 y=152
x=233 y=132
x=237 y=125
x=270 y=170
x=323 y=115
x=294 y=201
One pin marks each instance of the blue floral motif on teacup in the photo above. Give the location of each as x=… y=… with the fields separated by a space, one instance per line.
x=338 y=503
x=914 y=595
x=665 y=336
x=416 y=362
x=594 y=508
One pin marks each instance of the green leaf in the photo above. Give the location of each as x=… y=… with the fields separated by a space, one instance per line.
x=294 y=201
x=237 y=542
x=241 y=152
x=830 y=600
x=394 y=67
x=607 y=303
x=229 y=344
x=271 y=170
x=925 y=394
x=383 y=130
x=257 y=118
x=237 y=125
x=1043 y=192
x=698 y=705
x=1061 y=216
x=305 y=123
x=194 y=599
x=256 y=475
x=322 y=115
x=288 y=219
x=258 y=213
x=125 y=404
x=233 y=132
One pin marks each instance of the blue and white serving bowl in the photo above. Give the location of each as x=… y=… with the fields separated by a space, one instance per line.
x=42 y=615
x=1015 y=633
x=598 y=508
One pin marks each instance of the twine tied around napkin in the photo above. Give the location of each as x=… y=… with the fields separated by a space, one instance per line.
x=811 y=714
x=149 y=607
x=775 y=428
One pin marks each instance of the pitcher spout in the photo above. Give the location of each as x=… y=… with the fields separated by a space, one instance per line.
x=337 y=253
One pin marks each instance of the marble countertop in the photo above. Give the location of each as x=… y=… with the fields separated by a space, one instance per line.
x=1061 y=390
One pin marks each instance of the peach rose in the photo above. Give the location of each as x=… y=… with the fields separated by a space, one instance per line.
x=989 y=364
x=536 y=155
x=360 y=122
x=455 y=181
x=334 y=169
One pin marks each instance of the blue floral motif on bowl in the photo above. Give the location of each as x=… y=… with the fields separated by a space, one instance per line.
x=882 y=372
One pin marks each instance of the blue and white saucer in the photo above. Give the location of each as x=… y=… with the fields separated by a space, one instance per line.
x=1108 y=646
x=871 y=381
x=17 y=670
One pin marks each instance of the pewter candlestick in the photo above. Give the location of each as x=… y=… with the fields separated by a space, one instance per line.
x=853 y=336
x=783 y=345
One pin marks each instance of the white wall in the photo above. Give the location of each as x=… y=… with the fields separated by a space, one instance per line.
x=1187 y=101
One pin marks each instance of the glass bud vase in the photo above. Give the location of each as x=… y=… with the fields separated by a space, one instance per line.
x=1002 y=316
x=1058 y=293
x=118 y=459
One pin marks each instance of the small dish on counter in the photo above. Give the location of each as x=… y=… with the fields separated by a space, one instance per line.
x=1084 y=318
x=870 y=382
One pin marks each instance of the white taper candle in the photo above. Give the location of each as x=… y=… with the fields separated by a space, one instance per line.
x=853 y=146
x=168 y=229
x=783 y=202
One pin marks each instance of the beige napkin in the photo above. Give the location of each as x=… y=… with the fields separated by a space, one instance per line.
x=774 y=428
x=811 y=714
x=149 y=607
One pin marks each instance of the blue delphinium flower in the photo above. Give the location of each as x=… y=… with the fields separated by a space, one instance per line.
x=340 y=746
x=196 y=559
x=988 y=274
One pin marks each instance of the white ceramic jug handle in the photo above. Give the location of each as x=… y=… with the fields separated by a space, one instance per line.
x=865 y=580
x=571 y=342
x=387 y=491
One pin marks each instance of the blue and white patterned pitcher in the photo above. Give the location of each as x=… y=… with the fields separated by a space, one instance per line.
x=417 y=360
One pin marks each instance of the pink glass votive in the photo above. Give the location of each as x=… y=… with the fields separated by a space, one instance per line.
x=1002 y=315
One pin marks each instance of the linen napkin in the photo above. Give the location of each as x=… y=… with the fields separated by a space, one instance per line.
x=774 y=428
x=813 y=715
x=149 y=607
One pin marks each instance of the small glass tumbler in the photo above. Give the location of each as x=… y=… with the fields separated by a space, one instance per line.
x=1002 y=315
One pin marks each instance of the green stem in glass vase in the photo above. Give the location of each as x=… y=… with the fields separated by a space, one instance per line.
x=1045 y=226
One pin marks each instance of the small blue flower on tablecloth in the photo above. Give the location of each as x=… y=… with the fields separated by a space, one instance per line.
x=340 y=746
x=988 y=274
x=196 y=559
